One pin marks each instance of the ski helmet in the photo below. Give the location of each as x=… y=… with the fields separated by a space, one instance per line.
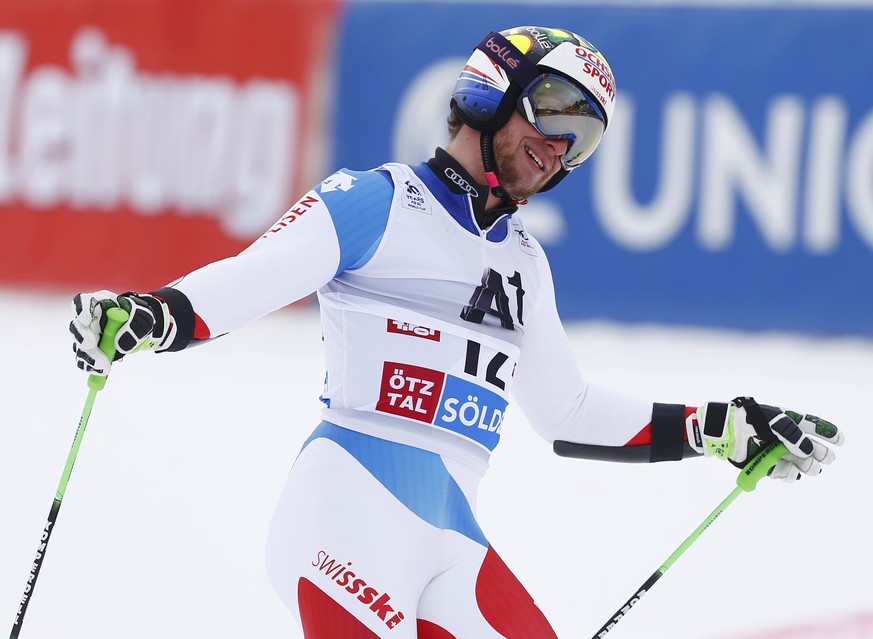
x=556 y=79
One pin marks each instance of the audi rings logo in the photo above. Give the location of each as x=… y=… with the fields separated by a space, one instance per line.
x=461 y=182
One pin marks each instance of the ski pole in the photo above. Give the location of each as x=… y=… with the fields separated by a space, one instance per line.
x=115 y=317
x=758 y=467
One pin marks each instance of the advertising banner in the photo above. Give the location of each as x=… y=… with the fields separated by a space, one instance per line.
x=733 y=188
x=139 y=140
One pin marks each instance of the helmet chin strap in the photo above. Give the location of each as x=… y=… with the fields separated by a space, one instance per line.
x=489 y=163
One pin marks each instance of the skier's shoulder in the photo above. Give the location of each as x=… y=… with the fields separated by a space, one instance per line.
x=347 y=187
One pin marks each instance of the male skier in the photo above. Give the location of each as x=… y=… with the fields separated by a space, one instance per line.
x=436 y=306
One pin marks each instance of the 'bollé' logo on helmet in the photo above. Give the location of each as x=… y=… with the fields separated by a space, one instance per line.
x=503 y=53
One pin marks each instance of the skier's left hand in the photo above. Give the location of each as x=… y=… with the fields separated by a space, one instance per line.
x=736 y=431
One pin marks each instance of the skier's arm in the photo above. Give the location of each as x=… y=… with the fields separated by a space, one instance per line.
x=331 y=228
x=599 y=423
x=590 y=422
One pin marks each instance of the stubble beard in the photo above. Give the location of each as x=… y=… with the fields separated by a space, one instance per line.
x=510 y=173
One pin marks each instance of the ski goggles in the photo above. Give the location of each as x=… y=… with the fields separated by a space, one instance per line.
x=559 y=109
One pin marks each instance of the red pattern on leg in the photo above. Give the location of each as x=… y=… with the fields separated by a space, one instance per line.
x=324 y=618
x=429 y=630
x=505 y=603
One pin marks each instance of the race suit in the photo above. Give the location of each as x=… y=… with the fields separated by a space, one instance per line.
x=434 y=313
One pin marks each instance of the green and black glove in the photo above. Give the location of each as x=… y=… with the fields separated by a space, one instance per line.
x=148 y=327
x=736 y=431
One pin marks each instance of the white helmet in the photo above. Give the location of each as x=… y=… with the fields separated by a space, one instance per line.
x=556 y=79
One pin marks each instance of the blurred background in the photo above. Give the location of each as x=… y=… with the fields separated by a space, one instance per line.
x=720 y=242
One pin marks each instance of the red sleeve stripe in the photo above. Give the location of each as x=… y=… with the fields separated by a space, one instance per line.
x=644 y=437
x=201 y=330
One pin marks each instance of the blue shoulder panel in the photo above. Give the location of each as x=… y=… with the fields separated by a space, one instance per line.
x=359 y=203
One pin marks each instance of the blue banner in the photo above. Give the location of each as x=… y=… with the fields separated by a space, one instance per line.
x=734 y=187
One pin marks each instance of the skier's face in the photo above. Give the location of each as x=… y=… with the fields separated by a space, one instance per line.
x=526 y=160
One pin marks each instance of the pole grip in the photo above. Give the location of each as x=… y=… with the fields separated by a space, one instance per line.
x=115 y=318
x=759 y=466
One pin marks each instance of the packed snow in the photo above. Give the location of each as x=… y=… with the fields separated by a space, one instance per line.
x=162 y=528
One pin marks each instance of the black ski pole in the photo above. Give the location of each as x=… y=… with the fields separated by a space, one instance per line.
x=757 y=468
x=115 y=317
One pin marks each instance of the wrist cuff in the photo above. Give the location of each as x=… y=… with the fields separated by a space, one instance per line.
x=181 y=314
x=668 y=432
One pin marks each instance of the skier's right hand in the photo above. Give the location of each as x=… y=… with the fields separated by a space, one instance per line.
x=143 y=330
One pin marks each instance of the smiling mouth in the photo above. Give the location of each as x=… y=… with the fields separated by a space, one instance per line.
x=535 y=159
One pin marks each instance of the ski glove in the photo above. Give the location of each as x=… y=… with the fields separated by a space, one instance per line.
x=738 y=430
x=149 y=327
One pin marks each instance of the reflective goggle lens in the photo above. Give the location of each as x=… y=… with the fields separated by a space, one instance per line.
x=559 y=109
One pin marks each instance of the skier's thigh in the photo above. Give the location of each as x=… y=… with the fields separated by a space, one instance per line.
x=344 y=554
x=479 y=597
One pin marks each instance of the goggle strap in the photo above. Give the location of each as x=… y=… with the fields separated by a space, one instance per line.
x=510 y=59
x=528 y=111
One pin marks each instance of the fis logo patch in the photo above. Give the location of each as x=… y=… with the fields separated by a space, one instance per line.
x=413 y=198
x=525 y=243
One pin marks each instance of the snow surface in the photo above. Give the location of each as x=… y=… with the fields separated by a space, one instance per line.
x=162 y=528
